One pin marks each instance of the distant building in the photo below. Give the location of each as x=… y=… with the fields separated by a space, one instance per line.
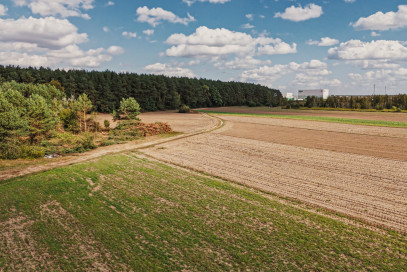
x=288 y=96
x=321 y=93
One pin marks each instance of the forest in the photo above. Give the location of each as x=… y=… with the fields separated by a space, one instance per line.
x=153 y=92
x=375 y=102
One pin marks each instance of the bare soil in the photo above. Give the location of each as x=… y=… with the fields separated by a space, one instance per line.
x=383 y=116
x=359 y=175
x=370 y=145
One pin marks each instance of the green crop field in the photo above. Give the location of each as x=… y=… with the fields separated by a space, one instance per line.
x=123 y=213
x=351 y=121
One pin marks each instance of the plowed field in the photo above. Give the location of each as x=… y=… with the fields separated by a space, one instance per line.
x=358 y=171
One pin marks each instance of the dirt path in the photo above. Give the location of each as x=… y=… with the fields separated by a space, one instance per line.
x=363 y=186
x=188 y=124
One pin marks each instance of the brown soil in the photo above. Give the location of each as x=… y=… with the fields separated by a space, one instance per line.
x=375 y=146
x=363 y=180
x=185 y=123
x=383 y=116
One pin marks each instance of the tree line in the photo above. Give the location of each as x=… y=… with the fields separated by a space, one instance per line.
x=153 y=92
x=378 y=102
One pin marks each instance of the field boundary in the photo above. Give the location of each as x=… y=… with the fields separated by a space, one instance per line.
x=350 y=121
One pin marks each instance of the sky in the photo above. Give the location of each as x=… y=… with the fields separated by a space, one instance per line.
x=346 y=46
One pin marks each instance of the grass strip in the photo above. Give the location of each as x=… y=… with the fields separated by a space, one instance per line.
x=377 y=123
x=124 y=213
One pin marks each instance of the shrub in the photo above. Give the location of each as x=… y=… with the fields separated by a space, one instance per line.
x=184 y=109
x=106 y=123
x=32 y=152
x=10 y=150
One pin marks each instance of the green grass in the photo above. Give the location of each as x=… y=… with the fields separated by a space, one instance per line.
x=351 y=121
x=124 y=213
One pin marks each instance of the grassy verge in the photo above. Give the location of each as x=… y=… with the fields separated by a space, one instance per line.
x=378 y=123
x=124 y=213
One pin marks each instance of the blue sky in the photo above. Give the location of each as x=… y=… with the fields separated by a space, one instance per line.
x=347 y=46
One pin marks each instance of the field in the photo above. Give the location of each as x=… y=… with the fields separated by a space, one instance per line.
x=126 y=213
x=357 y=171
x=232 y=192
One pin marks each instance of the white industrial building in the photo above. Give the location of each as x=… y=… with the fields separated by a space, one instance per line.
x=320 y=93
x=288 y=96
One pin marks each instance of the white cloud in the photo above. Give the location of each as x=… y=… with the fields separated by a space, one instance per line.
x=110 y=3
x=3 y=10
x=247 y=26
x=48 y=42
x=358 y=50
x=206 y=42
x=168 y=70
x=298 y=14
x=129 y=34
x=306 y=74
x=247 y=62
x=374 y=34
x=115 y=50
x=325 y=41
x=383 y=21
x=374 y=64
x=64 y=8
x=105 y=29
x=148 y=32
x=249 y=16
x=190 y=2
x=350 y=1
x=46 y=32
x=155 y=16
x=277 y=47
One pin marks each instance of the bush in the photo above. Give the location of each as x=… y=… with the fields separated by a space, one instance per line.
x=106 y=123
x=32 y=152
x=10 y=150
x=184 y=109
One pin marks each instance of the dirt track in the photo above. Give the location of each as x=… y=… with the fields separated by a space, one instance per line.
x=188 y=124
x=362 y=175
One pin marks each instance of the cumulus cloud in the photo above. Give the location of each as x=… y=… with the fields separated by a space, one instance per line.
x=350 y=1
x=46 y=32
x=249 y=16
x=247 y=26
x=115 y=50
x=129 y=34
x=247 y=62
x=105 y=29
x=3 y=10
x=383 y=21
x=63 y=8
x=48 y=42
x=168 y=70
x=110 y=3
x=148 y=32
x=206 y=42
x=358 y=50
x=307 y=74
x=374 y=64
x=325 y=41
x=298 y=14
x=155 y=16
x=190 y=2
